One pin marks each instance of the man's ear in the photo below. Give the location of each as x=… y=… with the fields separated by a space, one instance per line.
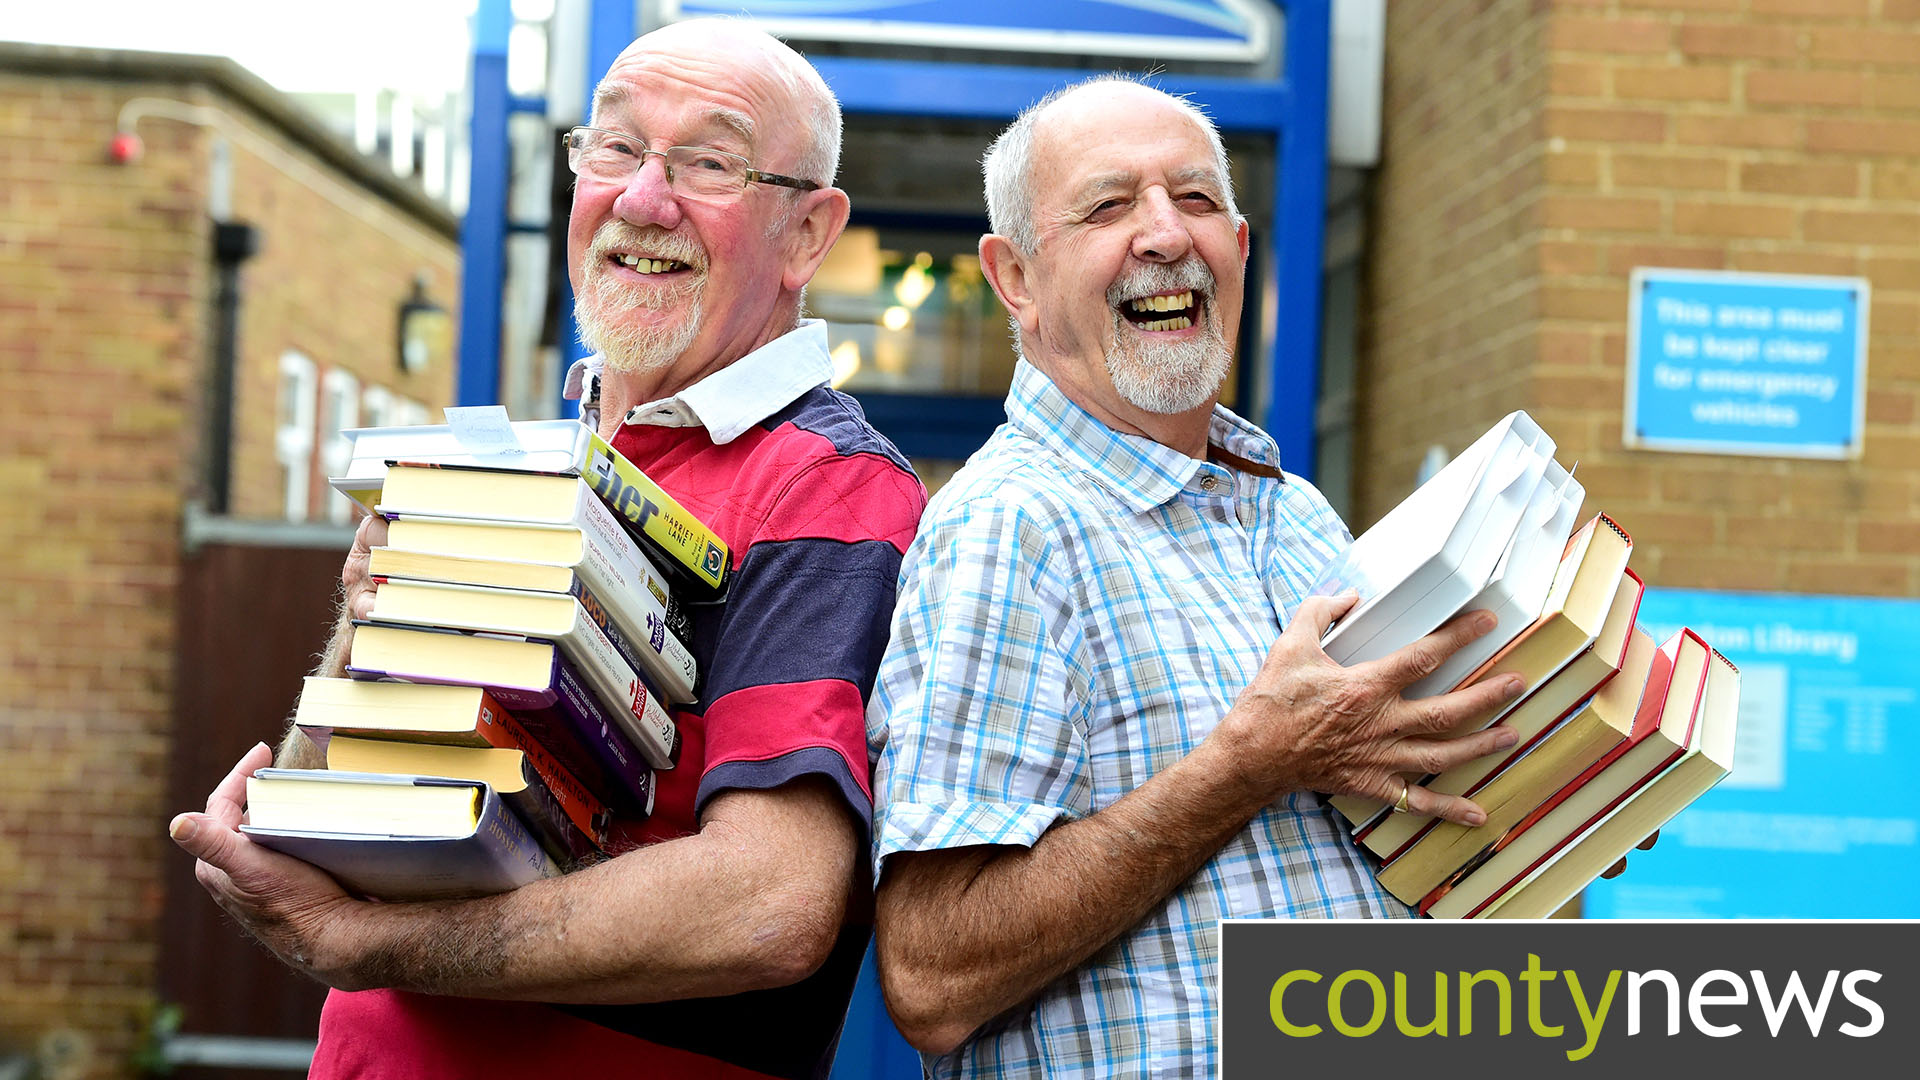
x=1005 y=268
x=818 y=222
x=1246 y=241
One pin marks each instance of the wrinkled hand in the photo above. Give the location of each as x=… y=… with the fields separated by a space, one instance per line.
x=1308 y=724
x=357 y=597
x=287 y=905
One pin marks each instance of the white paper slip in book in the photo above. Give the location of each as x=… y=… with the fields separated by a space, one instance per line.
x=557 y=446
x=1418 y=565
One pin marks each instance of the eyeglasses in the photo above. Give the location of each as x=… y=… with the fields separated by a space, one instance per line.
x=696 y=171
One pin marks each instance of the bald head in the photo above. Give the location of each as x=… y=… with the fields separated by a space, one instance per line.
x=741 y=47
x=1009 y=163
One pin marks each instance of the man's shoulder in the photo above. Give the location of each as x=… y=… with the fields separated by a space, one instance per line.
x=824 y=423
x=1016 y=492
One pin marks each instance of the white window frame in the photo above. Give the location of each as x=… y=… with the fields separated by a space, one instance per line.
x=293 y=431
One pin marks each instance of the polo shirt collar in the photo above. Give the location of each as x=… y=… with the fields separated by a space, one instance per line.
x=732 y=400
x=1141 y=473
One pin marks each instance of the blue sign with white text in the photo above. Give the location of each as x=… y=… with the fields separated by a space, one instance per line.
x=1819 y=818
x=1730 y=363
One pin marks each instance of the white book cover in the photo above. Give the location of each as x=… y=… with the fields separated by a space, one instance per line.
x=1518 y=591
x=1440 y=547
x=488 y=441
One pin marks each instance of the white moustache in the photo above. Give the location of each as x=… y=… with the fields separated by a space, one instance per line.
x=1188 y=274
x=652 y=241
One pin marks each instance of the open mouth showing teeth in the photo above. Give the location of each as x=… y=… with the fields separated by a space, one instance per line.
x=1175 y=312
x=648 y=266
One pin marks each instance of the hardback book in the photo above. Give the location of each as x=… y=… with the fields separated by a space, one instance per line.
x=1440 y=547
x=460 y=717
x=1589 y=735
x=1662 y=730
x=520 y=672
x=622 y=579
x=579 y=622
x=509 y=773
x=1569 y=651
x=1546 y=887
x=556 y=446
x=395 y=837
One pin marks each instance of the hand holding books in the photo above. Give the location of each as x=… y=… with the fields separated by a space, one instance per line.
x=1307 y=723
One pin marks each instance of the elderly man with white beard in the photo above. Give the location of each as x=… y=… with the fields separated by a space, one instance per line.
x=727 y=942
x=1104 y=714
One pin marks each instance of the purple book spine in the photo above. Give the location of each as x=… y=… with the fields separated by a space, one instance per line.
x=600 y=735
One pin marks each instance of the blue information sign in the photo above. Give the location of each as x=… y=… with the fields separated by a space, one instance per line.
x=1819 y=818
x=1728 y=363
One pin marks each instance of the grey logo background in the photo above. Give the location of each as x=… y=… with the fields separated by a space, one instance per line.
x=1254 y=955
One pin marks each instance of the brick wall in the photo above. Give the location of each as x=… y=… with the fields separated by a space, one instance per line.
x=1451 y=295
x=1754 y=135
x=105 y=294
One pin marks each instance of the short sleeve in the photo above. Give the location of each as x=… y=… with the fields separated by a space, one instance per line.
x=974 y=731
x=804 y=624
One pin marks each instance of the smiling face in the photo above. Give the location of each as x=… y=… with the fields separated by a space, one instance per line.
x=670 y=283
x=1131 y=297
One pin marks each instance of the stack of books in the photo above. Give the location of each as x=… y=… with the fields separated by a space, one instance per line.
x=509 y=693
x=1617 y=733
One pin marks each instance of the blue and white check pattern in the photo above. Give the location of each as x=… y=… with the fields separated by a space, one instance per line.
x=1079 y=610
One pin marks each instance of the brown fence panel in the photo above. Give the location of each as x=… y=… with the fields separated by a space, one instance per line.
x=252 y=620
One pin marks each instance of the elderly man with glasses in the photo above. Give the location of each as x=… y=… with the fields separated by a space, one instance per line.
x=728 y=942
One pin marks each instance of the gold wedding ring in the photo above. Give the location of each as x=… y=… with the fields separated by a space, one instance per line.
x=1400 y=807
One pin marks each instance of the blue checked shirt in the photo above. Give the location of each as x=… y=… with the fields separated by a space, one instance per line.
x=1079 y=610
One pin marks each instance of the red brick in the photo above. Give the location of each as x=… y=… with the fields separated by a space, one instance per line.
x=1673 y=83
x=1889 y=91
x=1896 y=180
x=1788 y=533
x=1566 y=348
x=1816 y=9
x=1624 y=258
x=1862 y=227
x=1571 y=168
x=1594 y=303
x=1682 y=5
x=1572 y=389
x=1900 y=10
x=1721 y=131
x=1576 y=78
x=1773 y=86
x=1876 y=46
x=1739 y=41
x=1800 y=178
x=1605 y=125
x=1679 y=528
x=1667 y=171
x=1893 y=272
x=1889 y=406
x=1848 y=577
x=1568 y=257
x=1599 y=213
x=1794 y=262
x=1890 y=537
x=1733 y=219
x=1579 y=33
x=1681 y=569
x=1898 y=137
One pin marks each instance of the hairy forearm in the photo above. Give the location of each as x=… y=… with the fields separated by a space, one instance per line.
x=967 y=934
x=719 y=912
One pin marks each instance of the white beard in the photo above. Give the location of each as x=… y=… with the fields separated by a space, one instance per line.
x=1176 y=376
x=626 y=346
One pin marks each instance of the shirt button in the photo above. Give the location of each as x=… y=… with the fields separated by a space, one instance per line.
x=1208 y=483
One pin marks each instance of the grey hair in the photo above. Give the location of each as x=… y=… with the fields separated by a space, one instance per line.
x=1008 y=164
